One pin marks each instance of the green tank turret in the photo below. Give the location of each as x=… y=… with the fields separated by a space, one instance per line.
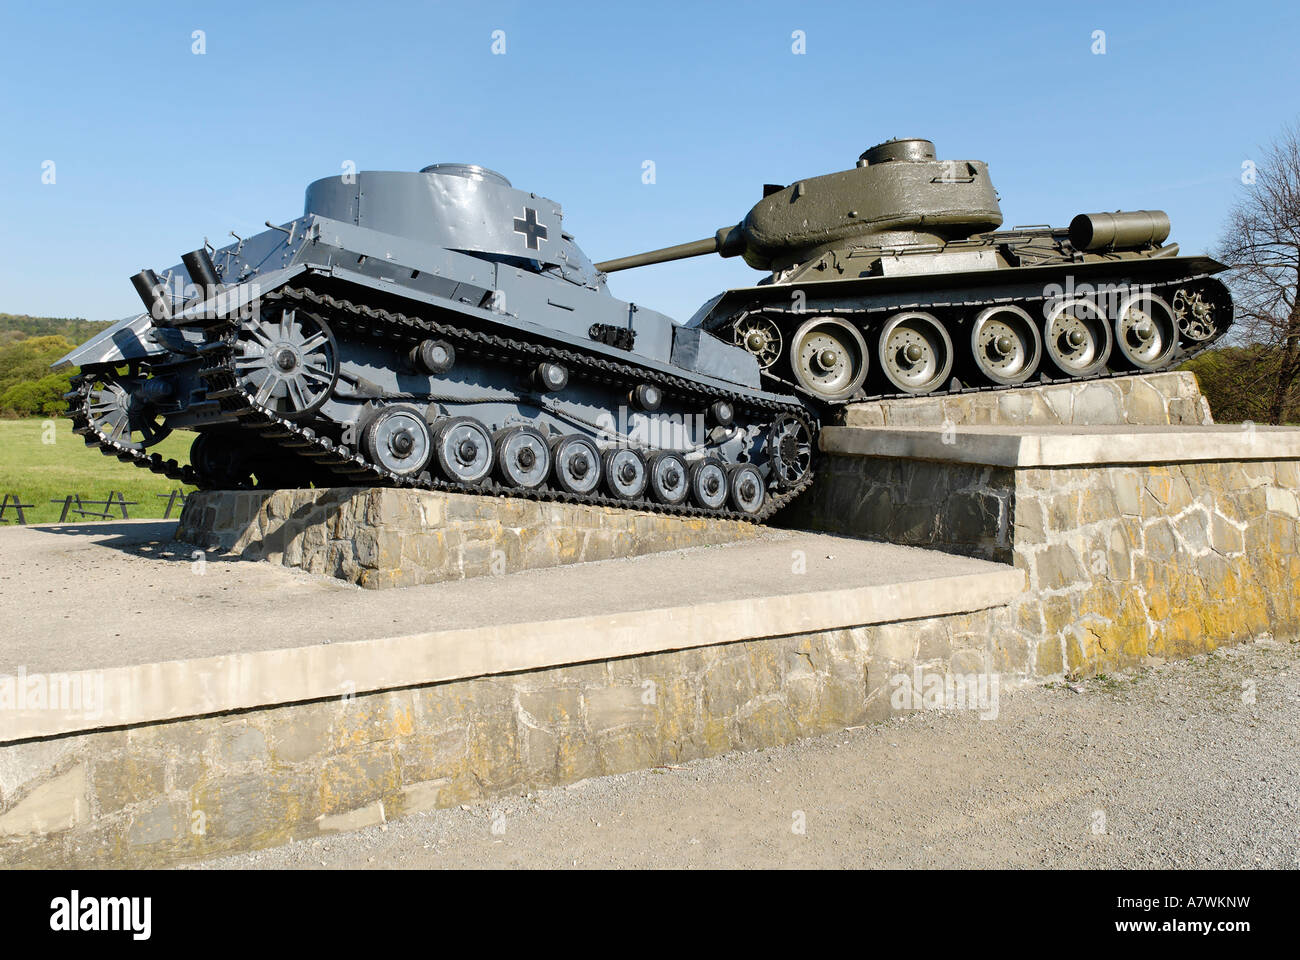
x=893 y=277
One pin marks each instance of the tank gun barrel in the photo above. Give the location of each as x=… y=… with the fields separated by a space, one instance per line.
x=726 y=242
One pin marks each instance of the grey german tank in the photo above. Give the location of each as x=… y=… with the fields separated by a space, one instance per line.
x=892 y=278
x=437 y=329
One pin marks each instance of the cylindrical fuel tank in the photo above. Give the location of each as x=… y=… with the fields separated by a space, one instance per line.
x=1119 y=231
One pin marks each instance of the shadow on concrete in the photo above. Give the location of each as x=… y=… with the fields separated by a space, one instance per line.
x=154 y=539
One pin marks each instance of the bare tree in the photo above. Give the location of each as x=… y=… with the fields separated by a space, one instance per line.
x=1262 y=246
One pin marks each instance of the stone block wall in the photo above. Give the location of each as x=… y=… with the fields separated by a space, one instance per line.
x=1152 y=399
x=1122 y=561
x=958 y=508
x=163 y=793
x=1161 y=560
x=380 y=537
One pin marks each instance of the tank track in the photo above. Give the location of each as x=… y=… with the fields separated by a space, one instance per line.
x=316 y=452
x=1181 y=354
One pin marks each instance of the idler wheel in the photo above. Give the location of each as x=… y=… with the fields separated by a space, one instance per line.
x=1077 y=337
x=398 y=439
x=669 y=477
x=746 y=488
x=123 y=411
x=915 y=352
x=523 y=457
x=709 y=483
x=464 y=450
x=625 y=473
x=576 y=465
x=760 y=336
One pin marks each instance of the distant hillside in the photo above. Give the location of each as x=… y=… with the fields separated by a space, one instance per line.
x=28 y=345
x=19 y=327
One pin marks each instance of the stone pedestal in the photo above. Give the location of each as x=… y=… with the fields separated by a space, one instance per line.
x=1135 y=541
x=380 y=537
x=1143 y=536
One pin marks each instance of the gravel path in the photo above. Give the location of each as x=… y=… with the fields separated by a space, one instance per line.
x=1170 y=766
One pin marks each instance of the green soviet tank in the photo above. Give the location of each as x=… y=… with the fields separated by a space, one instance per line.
x=893 y=278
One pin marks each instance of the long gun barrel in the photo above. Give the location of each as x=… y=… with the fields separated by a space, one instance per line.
x=727 y=242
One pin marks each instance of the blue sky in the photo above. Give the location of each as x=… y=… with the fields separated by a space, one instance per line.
x=156 y=147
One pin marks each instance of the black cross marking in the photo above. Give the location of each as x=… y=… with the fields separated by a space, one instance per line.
x=530 y=228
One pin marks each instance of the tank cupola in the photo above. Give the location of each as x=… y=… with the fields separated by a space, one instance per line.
x=905 y=149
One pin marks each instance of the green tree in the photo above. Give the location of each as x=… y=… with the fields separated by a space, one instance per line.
x=28 y=387
x=16 y=326
x=1235 y=382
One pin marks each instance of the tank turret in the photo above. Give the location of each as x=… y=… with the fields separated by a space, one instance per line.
x=898 y=193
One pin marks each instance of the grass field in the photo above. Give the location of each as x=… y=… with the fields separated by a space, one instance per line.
x=40 y=472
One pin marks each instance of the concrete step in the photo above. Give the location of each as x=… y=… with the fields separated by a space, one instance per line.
x=169 y=633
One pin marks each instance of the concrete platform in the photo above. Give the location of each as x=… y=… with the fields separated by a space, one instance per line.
x=1065 y=446
x=169 y=633
x=1153 y=399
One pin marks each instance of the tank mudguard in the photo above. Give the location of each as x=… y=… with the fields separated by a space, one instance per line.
x=128 y=339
